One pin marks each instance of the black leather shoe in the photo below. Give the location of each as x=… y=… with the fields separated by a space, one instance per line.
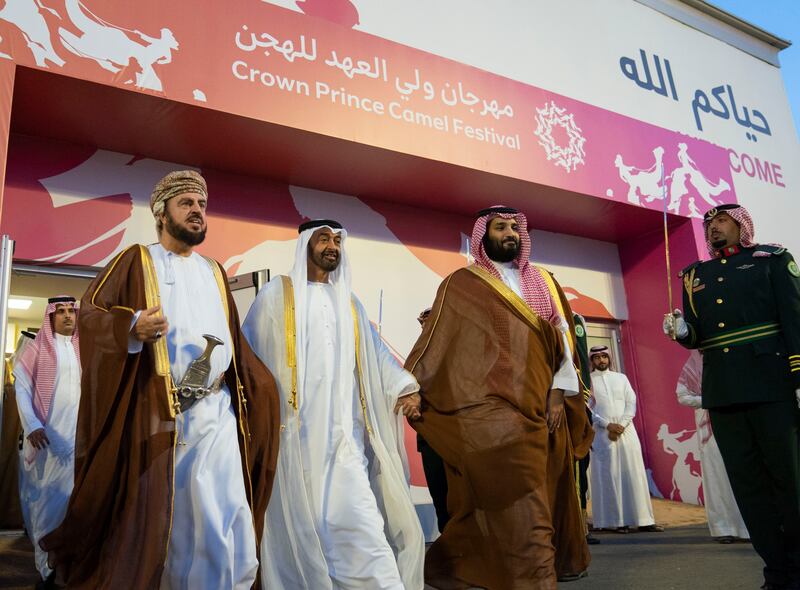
x=572 y=577
x=592 y=540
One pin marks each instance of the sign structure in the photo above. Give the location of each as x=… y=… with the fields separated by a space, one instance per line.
x=265 y=62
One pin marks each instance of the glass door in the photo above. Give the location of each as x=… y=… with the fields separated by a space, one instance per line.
x=30 y=287
x=607 y=334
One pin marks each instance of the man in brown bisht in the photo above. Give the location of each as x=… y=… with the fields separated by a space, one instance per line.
x=10 y=431
x=494 y=364
x=177 y=435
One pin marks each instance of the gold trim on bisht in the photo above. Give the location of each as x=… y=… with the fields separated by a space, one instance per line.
x=290 y=332
x=152 y=298
x=554 y=295
x=514 y=300
x=551 y=285
x=244 y=427
x=361 y=395
x=436 y=313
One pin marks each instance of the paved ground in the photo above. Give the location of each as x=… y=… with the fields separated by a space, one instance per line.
x=683 y=557
x=16 y=561
x=680 y=558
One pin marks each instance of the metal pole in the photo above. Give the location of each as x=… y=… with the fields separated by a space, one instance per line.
x=6 y=257
x=673 y=334
x=32 y=270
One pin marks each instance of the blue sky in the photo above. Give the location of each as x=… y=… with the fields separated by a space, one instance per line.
x=781 y=18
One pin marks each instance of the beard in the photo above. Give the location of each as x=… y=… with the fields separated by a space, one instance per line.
x=325 y=264
x=185 y=235
x=500 y=251
x=719 y=243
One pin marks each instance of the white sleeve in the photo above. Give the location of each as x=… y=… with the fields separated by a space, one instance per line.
x=24 y=392
x=134 y=345
x=630 y=404
x=687 y=398
x=566 y=377
x=397 y=382
x=597 y=418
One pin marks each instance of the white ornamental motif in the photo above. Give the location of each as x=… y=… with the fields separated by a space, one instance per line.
x=568 y=156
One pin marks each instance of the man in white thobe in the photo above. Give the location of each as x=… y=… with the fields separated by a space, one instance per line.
x=48 y=386
x=341 y=514
x=171 y=451
x=213 y=543
x=724 y=519
x=618 y=482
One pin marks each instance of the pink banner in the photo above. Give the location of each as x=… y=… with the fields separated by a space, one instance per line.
x=261 y=61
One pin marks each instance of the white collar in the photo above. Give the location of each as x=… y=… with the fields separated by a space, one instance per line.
x=506 y=265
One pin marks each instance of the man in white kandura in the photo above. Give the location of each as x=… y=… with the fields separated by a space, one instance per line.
x=724 y=519
x=48 y=386
x=618 y=483
x=341 y=515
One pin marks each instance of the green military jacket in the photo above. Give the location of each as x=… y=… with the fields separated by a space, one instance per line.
x=743 y=313
x=582 y=349
x=585 y=372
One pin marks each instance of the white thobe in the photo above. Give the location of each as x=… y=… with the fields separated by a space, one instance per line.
x=566 y=378
x=334 y=455
x=724 y=518
x=618 y=482
x=47 y=475
x=341 y=513
x=212 y=542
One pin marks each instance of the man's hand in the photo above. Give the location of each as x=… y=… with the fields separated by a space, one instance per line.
x=615 y=430
x=674 y=325
x=38 y=439
x=409 y=405
x=797 y=395
x=555 y=409
x=150 y=326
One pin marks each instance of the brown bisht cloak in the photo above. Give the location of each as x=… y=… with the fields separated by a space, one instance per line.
x=118 y=523
x=485 y=362
x=10 y=509
x=567 y=444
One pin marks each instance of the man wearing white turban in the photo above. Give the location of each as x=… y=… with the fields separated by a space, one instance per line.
x=341 y=515
x=177 y=429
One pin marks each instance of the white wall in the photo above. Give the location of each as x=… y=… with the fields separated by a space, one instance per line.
x=573 y=47
x=590 y=266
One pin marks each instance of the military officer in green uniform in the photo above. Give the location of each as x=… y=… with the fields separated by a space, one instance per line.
x=742 y=310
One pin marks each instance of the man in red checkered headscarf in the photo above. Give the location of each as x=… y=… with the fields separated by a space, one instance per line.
x=501 y=245
x=494 y=362
x=48 y=386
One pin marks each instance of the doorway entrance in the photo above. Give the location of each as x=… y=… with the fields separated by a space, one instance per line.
x=606 y=334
